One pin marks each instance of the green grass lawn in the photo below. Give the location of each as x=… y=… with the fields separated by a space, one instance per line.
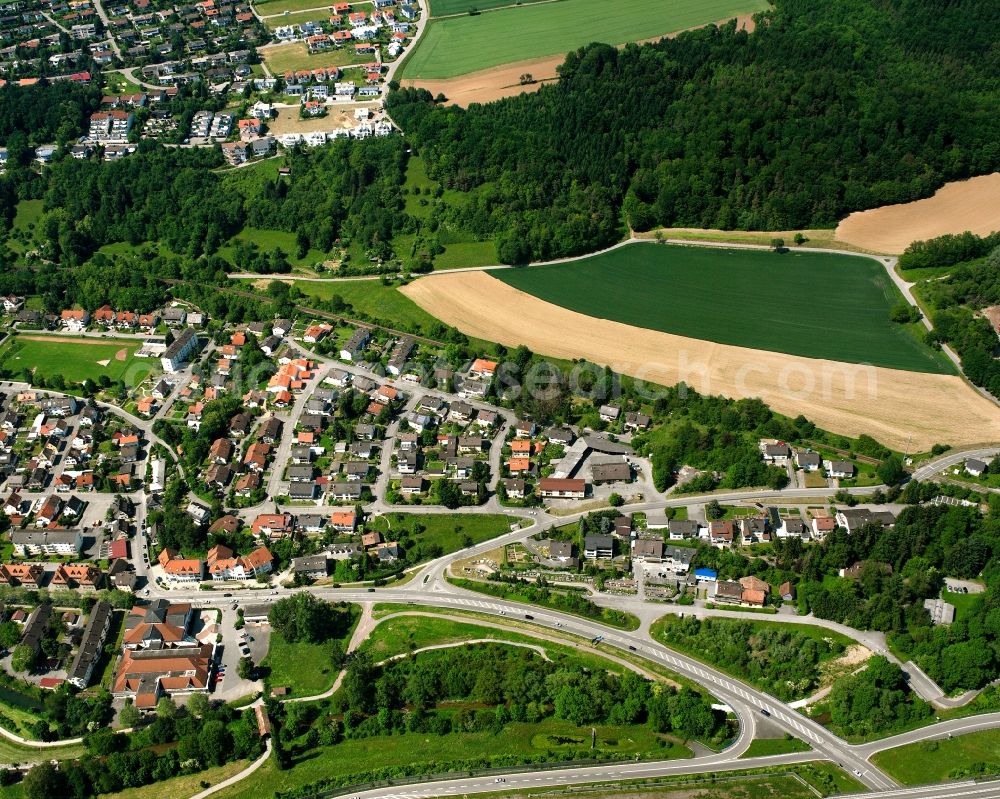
x=27 y=213
x=963 y=602
x=463 y=44
x=765 y=747
x=829 y=306
x=520 y=593
x=77 y=359
x=936 y=761
x=116 y=83
x=450 y=530
x=250 y=179
x=466 y=254
x=431 y=752
x=304 y=668
x=318 y=14
x=384 y=304
x=461 y=249
x=11 y=752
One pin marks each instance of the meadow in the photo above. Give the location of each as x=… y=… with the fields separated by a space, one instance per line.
x=305 y=668
x=77 y=359
x=817 y=305
x=384 y=304
x=463 y=44
x=351 y=759
x=295 y=56
x=936 y=761
x=269 y=240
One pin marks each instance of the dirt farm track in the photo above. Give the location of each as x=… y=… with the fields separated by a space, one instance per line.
x=909 y=411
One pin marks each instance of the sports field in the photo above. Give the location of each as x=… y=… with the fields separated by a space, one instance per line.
x=463 y=44
x=77 y=359
x=817 y=305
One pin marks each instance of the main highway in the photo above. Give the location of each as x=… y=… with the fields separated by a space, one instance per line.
x=748 y=702
x=429 y=588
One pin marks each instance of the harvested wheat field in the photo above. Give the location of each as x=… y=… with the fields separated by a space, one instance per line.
x=906 y=410
x=956 y=207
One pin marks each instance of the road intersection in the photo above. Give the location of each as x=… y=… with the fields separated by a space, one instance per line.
x=428 y=587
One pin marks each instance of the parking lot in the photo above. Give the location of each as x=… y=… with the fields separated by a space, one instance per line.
x=229 y=651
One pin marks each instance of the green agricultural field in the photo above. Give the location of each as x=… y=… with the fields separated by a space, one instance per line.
x=463 y=44
x=77 y=359
x=444 y=8
x=818 y=305
x=965 y=756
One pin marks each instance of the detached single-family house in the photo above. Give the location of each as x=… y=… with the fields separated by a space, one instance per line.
x=839 y=469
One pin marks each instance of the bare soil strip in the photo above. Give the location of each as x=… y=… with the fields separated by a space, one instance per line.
x=956 y=207
x=905 y=410
x=495 y=83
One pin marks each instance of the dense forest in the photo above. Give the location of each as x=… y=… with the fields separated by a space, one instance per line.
x=827 y=108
